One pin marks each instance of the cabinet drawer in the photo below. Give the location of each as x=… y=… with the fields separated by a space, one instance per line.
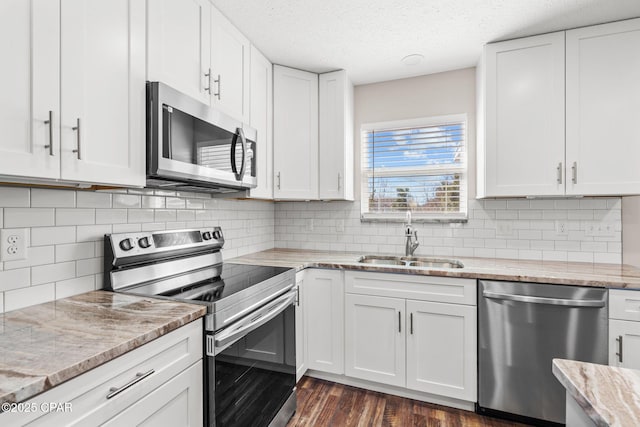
x=166 y=356
x=624 y=305
x=422 y=288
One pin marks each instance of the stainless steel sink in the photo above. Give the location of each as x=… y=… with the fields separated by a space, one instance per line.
x=425 y=262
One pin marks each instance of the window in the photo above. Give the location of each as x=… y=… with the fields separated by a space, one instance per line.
x=418 y=165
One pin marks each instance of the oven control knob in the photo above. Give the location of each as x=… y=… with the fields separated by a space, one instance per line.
x=206 y=235
x=144 y=242
x=126 y=244
x=217 y=234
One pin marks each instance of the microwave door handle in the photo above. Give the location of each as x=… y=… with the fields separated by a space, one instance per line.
x=243 y=140
x=166 y=130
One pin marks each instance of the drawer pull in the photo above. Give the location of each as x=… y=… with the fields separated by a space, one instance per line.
x=619 y=353
x=114 y=391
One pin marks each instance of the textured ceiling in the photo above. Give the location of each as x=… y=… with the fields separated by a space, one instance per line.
x=369 y=38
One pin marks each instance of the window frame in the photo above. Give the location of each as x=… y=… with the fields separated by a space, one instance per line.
x=462 y=170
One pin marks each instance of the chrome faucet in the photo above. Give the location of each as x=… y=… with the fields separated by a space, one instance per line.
x=412 y=237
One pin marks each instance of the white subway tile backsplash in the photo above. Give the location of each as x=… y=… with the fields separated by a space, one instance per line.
x=53 y=272
x=78 y=285
x=153 y=202
x=41 y=236
x=13 y=197
x=111 y=216
x=28 y=296
x=126 y=201
x=88 y=233
x=90 y=199
x=74 y=251
x=46 y=198
x=175 y=203
x=75 y=216
x=28 y=217
x=86 y=267
x=14 y=279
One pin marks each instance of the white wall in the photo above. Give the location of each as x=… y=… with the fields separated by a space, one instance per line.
x=66 y=229
x=631 y=226
x=337 y=225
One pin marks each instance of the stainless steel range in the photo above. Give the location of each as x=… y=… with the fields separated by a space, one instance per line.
x=250 y=322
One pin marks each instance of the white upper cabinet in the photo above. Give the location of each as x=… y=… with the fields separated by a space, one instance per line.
x=603 y=105
x=261 y=113
x=74 y=92
x=295 y=134
x=336 y=136
x=30 y=87
x=103 y=91
x=229 y=77
x=179 y=45
x=537 y=137
x=521 y=152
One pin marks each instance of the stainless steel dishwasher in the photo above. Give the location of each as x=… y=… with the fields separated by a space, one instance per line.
x=522 y=327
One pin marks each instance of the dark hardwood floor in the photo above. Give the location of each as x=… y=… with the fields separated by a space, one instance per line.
x=324 y=403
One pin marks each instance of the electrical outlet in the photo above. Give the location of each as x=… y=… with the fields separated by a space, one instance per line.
x=310 y=224
x=13 y=244
x=561 y=228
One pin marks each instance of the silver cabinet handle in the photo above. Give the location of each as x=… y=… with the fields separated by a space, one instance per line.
x=339 y=179
x=574 y=173
x=559 y=173
x=50 y=123
x=208 y=76
x=619 y=353
x=411 y=323
x=219 y=82
x=77 y=129
x=278 y=177
x=543 y=300
x=114 y=391
x=399 y=322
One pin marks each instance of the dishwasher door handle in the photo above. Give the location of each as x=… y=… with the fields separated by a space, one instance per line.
x=543 y=300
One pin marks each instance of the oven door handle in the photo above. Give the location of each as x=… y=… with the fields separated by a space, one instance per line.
x=258 y=319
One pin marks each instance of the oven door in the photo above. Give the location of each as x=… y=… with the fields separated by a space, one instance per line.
x=252 y=365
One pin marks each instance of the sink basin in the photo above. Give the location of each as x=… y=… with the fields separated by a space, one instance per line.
x=425 y=262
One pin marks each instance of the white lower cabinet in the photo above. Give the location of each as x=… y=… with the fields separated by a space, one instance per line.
x=178 y=402
x=160 y=384
x=409 y=341
x=624 y=328
x=324 y=318
x=441 y=349
x=375 y=339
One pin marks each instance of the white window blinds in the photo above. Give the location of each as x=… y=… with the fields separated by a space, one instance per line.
x=417 y=165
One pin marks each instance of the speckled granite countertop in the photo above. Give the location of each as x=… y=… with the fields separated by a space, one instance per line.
x=44 y=345
x=555 y=272
x=610 y=396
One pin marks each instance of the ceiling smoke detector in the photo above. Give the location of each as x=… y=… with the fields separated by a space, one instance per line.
x=413 y=59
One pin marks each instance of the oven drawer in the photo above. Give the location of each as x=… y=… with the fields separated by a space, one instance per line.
x=92 y=395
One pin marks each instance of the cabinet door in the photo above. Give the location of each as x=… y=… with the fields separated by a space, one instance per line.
x=30 y=87
x=336 y=136
x=441 y=349
x=603 y=100
x=624 y=344
x=179 y=45
x=262 y=120
x=295 y=134
x=178 y=402
x=103 y=91
x=229 y=68
x=523 y=150
x=375 y=339
x=301 y=343
x=324 y=319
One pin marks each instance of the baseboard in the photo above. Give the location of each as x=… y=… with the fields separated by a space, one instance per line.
x=396 y=391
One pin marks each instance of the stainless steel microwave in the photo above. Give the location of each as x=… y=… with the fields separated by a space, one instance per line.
x=193 y=147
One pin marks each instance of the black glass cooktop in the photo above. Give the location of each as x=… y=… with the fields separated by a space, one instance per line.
x=234 y=278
